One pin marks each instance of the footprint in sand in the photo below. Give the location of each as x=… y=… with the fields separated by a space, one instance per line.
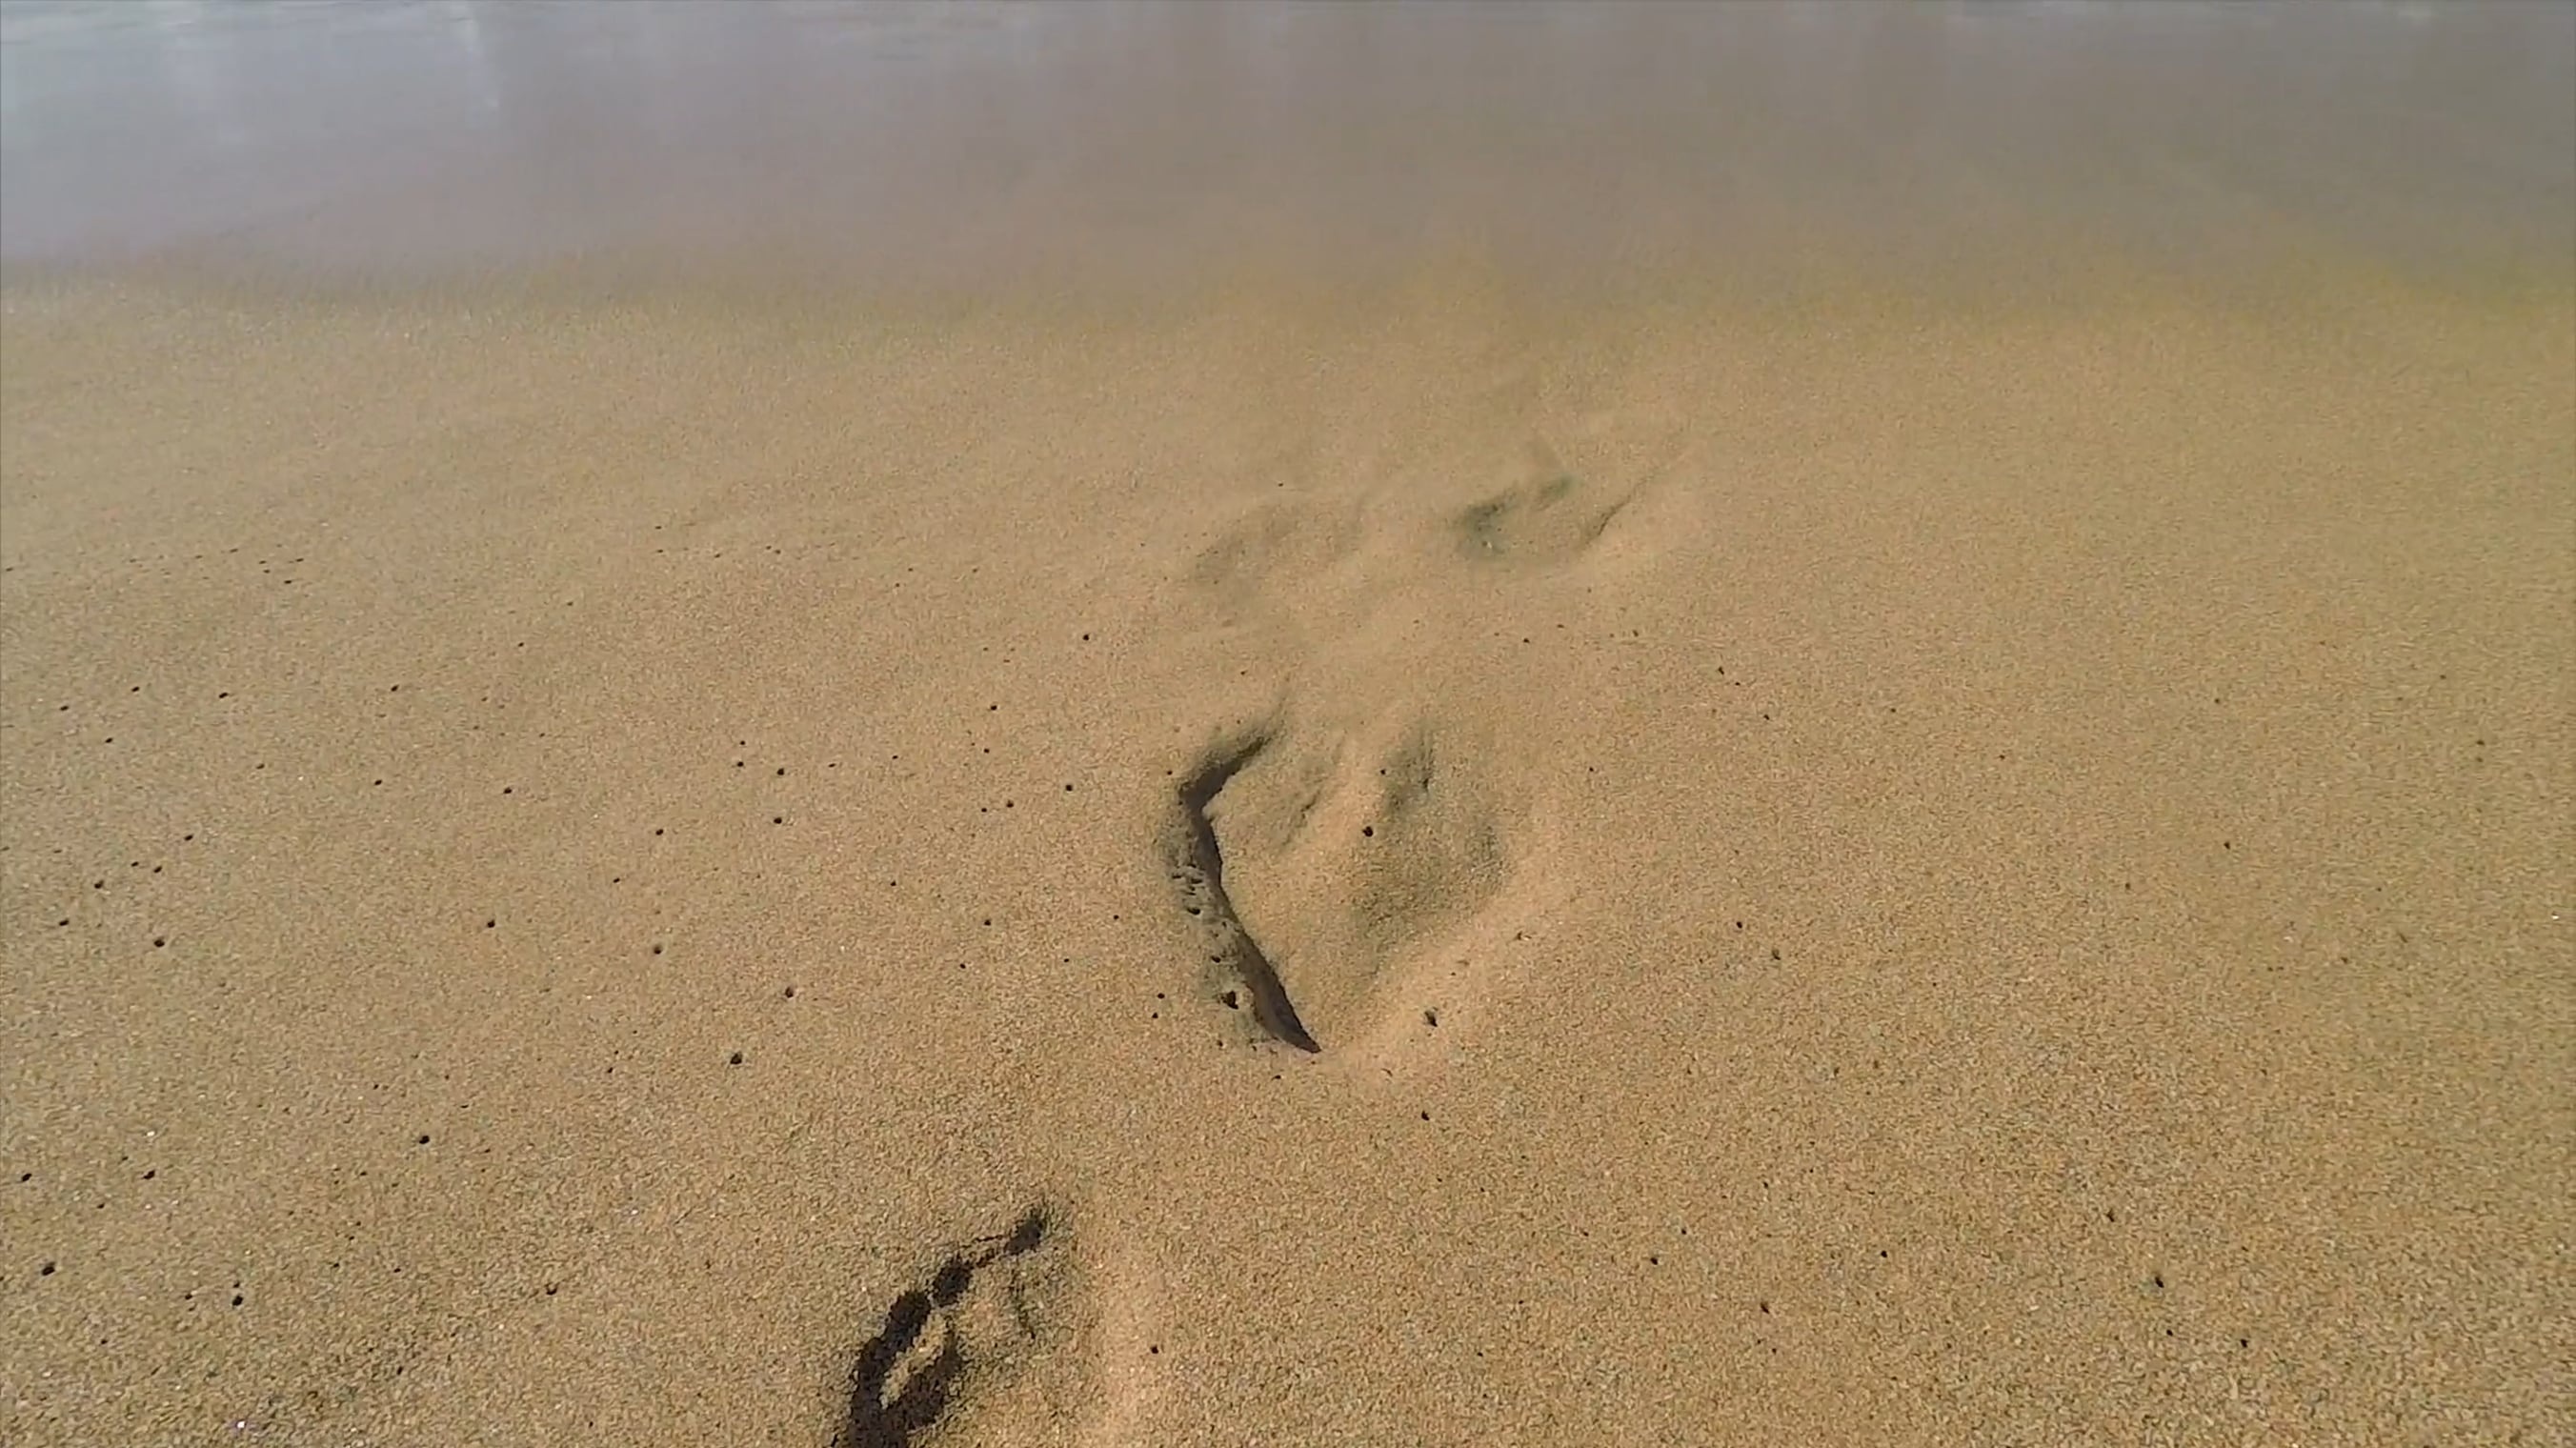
x=969 y=1338
x=1352 y=858
x=1325 y=870
x=1551 y=516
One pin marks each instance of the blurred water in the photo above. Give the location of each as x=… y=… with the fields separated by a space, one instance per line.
x=946 y=140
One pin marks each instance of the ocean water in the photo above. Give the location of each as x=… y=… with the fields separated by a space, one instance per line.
x=1147 y=141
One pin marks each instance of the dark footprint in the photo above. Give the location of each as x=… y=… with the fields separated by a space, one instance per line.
x=1550 y=517
x=905 y=1376
x=1240 y=976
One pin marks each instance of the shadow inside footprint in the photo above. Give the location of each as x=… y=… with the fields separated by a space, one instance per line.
x=1241 y=975
x=1550 y=517
x=877 y=1421
x=902 y=1378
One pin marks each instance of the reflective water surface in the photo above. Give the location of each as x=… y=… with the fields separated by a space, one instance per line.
x=892 y=138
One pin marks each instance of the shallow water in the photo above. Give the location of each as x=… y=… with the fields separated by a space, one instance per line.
x=1148 y=141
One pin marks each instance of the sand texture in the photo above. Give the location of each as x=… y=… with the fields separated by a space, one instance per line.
x=1434 y=868
x=1258 y=725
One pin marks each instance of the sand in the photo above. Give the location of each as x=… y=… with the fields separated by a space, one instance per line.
x=1457 y=860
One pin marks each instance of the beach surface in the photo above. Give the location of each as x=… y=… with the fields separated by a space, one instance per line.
x=694 y=752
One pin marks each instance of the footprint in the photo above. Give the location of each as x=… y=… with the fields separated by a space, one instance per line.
x=1320 y=868
x=1351 y=858
x=1550 y=517
x=973 y=1325
x=1353 y=865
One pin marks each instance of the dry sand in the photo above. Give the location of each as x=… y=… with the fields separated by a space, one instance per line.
x=608 y=866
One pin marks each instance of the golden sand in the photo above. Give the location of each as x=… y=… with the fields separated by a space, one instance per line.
x=617 y=871
x=1261 y=725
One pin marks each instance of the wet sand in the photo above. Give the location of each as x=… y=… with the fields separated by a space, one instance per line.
x=1416 y=833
